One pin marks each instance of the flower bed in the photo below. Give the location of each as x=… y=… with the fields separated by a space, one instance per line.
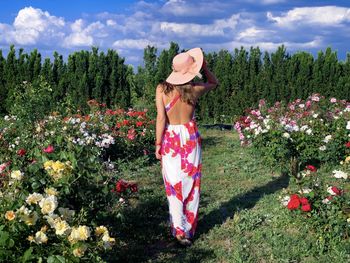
x=304 y=136
x=59 y=182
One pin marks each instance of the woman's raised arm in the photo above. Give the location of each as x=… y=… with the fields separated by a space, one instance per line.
x=211 y=83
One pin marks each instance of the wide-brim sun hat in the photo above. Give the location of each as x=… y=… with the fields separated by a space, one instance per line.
x=186 y=66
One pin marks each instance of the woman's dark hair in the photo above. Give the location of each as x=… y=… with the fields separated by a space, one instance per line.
x=186 y=91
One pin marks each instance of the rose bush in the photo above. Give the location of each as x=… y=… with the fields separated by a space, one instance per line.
x=307 y=134
x=312 y=131
x=58 y=178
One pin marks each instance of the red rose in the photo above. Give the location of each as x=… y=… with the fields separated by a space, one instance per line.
x=49 y=149
x=21 y=152
x=294 y=202
x=336 y=190
x=306 y=207
x=139 y=123
x=125 y=122
x=347 y=144
x=121 y=186
x=311 y=168
x=304 y=201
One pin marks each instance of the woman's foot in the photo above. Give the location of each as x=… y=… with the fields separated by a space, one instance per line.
x=183 y=241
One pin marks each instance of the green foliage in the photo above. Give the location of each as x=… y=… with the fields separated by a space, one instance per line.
x=31 y=101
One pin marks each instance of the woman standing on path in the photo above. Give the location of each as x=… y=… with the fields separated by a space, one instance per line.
x=178 y=142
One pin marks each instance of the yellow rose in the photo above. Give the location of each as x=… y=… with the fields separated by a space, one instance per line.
x=108 y=241
x=47 y=164
x=347 y=159
x=79 y=252
x=79 y=233
x=30 y=239
x=61 y=226
x=34 y=198
x=57 y=166
x=30 y=219
x=51 y=219
x=48 y=204
x=44 y=228
x=10 y=215
x=40 y=237
x=51 y=191
x=101 y=230
x=23 y=210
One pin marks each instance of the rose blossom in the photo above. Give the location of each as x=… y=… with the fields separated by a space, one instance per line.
x=49 y=149
x=333 y=190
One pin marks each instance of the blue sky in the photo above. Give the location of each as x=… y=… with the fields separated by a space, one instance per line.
x=129 y=26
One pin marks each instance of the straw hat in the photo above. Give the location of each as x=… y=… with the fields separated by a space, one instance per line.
x=186 y=66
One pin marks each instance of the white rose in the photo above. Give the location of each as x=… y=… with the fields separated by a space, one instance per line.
x=40 y=237
x=322 y=148
x=286 y=135
x=48 y=204
x=285 y=200
x=327 y=138
x=34 y=198
x=17 y=175
x=340 y=174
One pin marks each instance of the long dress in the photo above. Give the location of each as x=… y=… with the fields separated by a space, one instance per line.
x=181 y=165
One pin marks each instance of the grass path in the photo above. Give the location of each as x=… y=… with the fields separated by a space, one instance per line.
x=240 y=217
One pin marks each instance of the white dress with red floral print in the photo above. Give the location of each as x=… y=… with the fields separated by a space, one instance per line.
x=181 y=164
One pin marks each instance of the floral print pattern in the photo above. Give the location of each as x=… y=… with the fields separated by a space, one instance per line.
x=181 y=165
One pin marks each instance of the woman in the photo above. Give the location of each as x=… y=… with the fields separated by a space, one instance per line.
x=178 y=142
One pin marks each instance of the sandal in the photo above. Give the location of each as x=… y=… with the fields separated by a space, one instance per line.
x=183 y=241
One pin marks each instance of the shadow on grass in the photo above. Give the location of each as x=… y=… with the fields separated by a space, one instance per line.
x=219 y=126
x=245 y=200
x=146 y=235
x=212 y=141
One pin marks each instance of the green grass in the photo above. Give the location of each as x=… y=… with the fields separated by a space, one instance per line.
x=240 y=217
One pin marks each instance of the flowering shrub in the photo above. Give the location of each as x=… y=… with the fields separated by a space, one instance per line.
x=312 y=131
x=307 y=134
x=324 y=200
x=57 y=179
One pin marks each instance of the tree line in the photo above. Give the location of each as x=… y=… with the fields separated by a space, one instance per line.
x=245 y=77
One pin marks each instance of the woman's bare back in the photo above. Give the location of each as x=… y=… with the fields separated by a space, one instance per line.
x=181 y=112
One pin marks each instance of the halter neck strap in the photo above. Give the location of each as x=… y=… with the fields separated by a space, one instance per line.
x=172 y=102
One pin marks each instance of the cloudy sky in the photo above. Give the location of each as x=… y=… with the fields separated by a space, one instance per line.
x=129 y=26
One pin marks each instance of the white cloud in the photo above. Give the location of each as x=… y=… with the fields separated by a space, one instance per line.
x=133 y=43
x=323 y=15
x=217 y=28
x=137 y=44
x=254 y=33
x=267 y=45
x=32 y=24
x=194 y=8
x=82 y=35
x=111 y=22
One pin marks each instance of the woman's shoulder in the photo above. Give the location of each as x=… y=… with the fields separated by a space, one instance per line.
x=160 y=87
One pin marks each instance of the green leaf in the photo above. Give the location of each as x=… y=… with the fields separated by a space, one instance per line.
x=35 y=185
x=27 y=255
x=11 y=243
x=4 y=236
x=56 y=259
